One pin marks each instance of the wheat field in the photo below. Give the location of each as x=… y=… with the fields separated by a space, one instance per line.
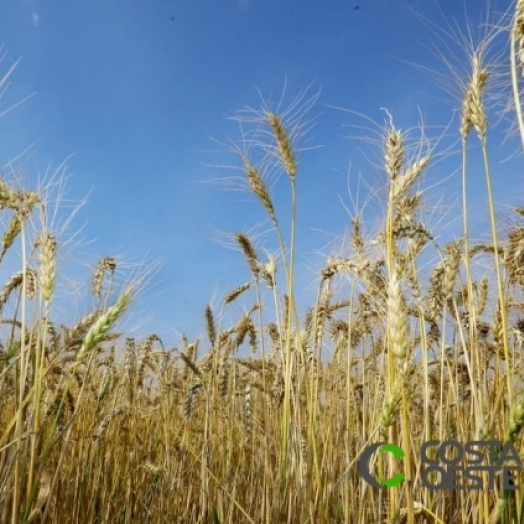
x=265 y=419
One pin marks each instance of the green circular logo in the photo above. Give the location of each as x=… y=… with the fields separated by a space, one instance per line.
x=365 y=458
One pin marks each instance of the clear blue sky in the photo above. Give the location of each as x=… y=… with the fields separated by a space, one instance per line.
x=136 y=90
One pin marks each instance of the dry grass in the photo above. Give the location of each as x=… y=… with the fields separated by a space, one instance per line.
x=265 y=420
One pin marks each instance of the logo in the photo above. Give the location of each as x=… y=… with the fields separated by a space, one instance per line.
x=365 y=459
x=448 y=464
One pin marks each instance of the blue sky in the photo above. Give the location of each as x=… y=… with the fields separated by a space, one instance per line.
x=136 y=91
